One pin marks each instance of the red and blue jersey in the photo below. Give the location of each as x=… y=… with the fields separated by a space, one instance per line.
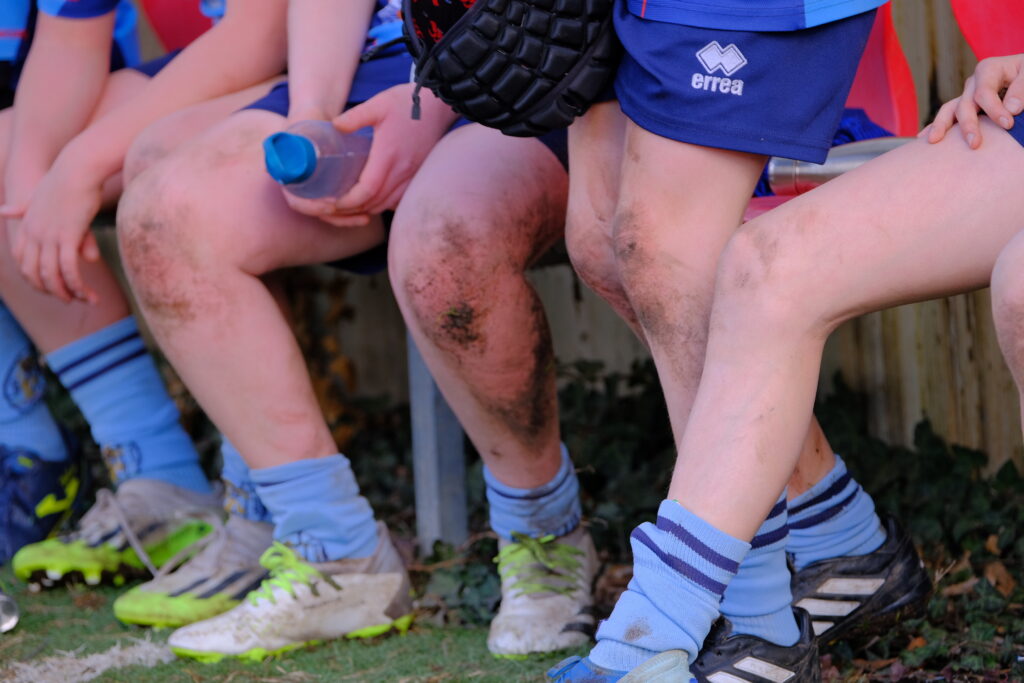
x=750 y=15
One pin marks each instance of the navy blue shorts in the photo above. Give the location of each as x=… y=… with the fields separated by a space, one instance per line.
x=1018 y=129
x=375 y=259
x=773 y=93
x=154 y=66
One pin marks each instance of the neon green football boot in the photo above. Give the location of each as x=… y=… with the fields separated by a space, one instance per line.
x=224 y=569
x=125 y=534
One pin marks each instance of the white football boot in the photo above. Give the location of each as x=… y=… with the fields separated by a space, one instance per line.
x=547 y=600
x=302 y=603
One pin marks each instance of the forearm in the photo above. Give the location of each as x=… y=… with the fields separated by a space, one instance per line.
x=325 y=42
x=54 y=102
x=244 y=49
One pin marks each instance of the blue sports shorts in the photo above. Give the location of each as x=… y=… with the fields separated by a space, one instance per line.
x=1018 y=129
x=772 y=93
x=375 y=259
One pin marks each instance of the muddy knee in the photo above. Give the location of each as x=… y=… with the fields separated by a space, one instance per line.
x=161 y=247
x=445 y=276
x=766 y=286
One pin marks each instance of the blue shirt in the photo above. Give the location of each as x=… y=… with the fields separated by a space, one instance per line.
x=750 y=15
x=16 y=18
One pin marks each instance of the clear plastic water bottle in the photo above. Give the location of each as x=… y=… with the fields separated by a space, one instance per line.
x=312 y=159
x=8 y=612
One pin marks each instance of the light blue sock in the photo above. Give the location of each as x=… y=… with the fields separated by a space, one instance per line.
x=834 y=518
x=116 y=384
x=681 y=567
x=552 y=508
x=317 y=509
x=240 y=497
x=25 y=421
x=757 y=602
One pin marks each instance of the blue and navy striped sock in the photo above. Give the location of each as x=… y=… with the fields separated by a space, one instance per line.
x=114 y=381
x=757 y=601
x=240 y=497
x=552 y=508
x=25 y=421
x=834 y=518
x=681 y=567
x=317 y=509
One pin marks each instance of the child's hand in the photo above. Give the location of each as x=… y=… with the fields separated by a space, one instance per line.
x=399 y=147
x=53 y=235
x=982 y=92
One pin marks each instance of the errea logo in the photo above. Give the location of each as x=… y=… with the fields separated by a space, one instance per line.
x=713 y=57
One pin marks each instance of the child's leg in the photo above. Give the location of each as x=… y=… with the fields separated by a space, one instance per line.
x=681 y=197
x=196 y=231
x=458 y=264
x=858 y=244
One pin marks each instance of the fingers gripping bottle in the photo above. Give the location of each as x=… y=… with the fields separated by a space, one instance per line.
x=314 y=160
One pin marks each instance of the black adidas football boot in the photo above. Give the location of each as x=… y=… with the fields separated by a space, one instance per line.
x=864 y=594
x=729 y=657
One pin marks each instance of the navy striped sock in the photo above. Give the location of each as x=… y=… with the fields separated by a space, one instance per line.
x=681 y=567
x=757 y=601
x=834 y=518
x=114 y=381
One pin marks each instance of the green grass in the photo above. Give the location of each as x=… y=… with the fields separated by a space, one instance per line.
x=81 y=620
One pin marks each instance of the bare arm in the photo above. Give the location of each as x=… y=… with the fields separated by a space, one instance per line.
x=245 y=48
x=61 y=84
x=325 y=42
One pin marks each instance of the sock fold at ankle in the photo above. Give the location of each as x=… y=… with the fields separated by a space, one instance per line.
x=682 y=566
x=317 y=509
x=757 y=601
x=552 y=508
x=834 y=518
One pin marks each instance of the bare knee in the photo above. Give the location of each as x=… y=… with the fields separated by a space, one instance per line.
x=444 y=274
x=161 y=242
x=148 y=148
x=764 y=283
x=593 y=258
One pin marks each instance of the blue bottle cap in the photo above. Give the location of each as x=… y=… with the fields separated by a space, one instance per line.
x=290 y=158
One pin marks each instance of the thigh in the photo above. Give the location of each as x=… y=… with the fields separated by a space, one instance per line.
x=920 y=222
x=480 y=188
x=173 y=130
x=215 y=189
x=679 y=203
